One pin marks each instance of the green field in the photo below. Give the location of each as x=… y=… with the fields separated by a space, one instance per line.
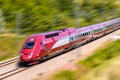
x=98 y=66
x=10 y=45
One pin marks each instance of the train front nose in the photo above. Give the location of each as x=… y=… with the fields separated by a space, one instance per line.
x=27 y=52
x=27 y=57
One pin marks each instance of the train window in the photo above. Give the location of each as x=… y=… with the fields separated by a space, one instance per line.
x=41 y=43
x=97 y=30
x=89 y=32
x=51 y=35
x=86 y=34
x=29 y=45
x=71 y=38
x=83 y=34
x=94 y=30
x=100 y=29
x=108 y=26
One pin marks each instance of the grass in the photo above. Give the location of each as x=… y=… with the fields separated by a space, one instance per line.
x=101 y=55
x=114 y=73
x=64 y=75
x=108 y=70
x=95 y=65
x=9 y=46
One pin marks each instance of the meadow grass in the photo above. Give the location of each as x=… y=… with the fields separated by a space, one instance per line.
x=10 y=46
x=114 y=73
x=64 y=75
x=100 y=57
x=110 y=51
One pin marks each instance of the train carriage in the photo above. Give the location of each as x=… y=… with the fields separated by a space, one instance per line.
x=38 y=46
x=81 y=35
x=110 y=25
x=97 y=30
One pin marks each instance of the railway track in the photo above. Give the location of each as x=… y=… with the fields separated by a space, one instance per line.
x=11 y=72
x=2 y=64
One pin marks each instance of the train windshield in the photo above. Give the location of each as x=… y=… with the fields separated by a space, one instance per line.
x=29 y=45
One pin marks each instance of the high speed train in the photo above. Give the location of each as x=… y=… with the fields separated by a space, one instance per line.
x=39 y=46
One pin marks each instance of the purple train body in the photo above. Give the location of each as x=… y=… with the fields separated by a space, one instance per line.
x=38 y=46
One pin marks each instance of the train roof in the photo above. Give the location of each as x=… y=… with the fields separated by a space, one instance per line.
x=46 y=33
x=83 y=28
x=50 y=32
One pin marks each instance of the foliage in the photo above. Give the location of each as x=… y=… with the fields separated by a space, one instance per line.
x=47 y=15
x=64 y=75
x=101 y=55
x=10 y=46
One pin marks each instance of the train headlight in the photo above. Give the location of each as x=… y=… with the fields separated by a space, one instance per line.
x=21 y=54
x=30 y=54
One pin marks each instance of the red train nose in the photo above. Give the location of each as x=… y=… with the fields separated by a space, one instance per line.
x=27 y=57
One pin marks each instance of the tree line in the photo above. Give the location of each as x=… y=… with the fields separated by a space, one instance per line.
x=46 y=15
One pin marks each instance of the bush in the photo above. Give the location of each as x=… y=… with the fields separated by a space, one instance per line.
x=64 y=75
x=112 y=50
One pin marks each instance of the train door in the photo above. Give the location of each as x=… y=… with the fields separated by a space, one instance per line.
x=70 y=40
x=45 y=48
